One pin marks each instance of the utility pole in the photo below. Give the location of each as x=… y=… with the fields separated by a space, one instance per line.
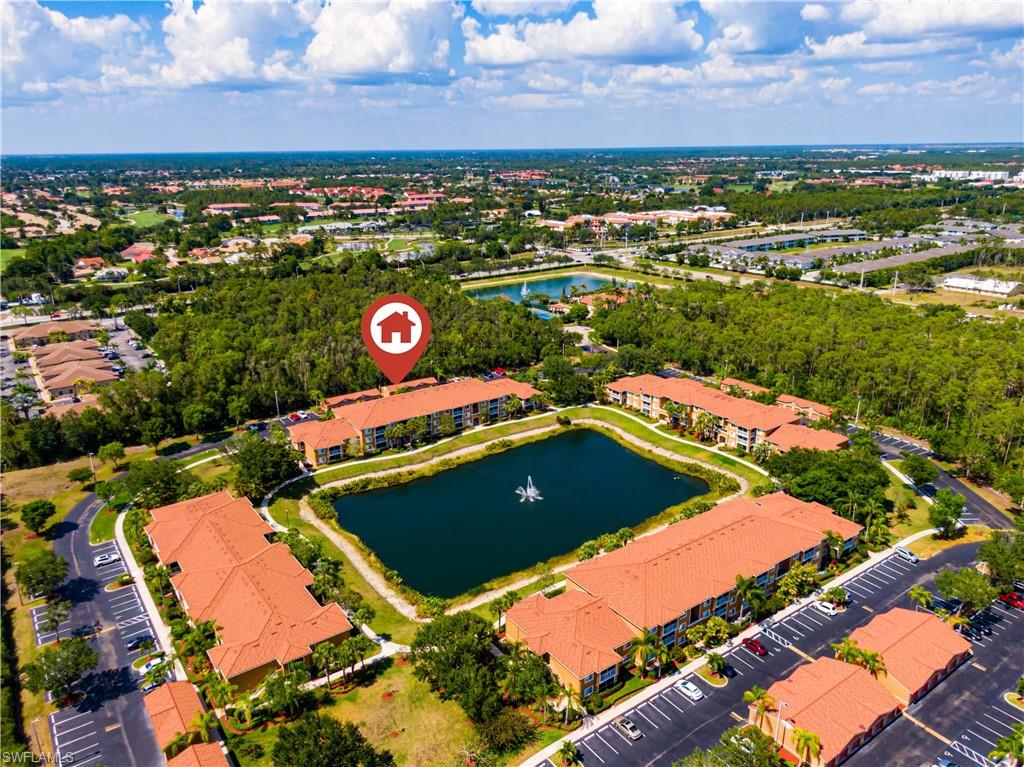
x=277 y=407
x=894 y=279
x=856 y=418
x=92 y=468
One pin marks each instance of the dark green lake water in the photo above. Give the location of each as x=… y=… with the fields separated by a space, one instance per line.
x=458 y=529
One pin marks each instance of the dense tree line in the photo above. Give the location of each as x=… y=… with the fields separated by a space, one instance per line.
x=246 y=345
x=959 y=383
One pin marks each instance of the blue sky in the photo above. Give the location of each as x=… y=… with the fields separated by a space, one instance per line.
x=184 y=76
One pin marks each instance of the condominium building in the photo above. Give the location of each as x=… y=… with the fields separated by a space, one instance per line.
x=42 y=333
x=669 y=581
x=224 y=568
x=737 y=422
x=364 y=420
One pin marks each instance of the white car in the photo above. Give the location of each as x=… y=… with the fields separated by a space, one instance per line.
x=906 y=555
x=689 y=689
x=106 y=559
x=826 y=607
x=149 y=665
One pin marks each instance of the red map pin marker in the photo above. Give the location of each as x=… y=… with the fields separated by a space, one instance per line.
x=396 y=330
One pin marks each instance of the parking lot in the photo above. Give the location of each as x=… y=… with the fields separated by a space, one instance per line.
x=673 y=726
x=131 y=358
x=107 y=723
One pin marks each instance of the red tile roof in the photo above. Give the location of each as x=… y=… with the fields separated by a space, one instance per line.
x=455 y=394
x=914 y=645
x=804 y=404
x=575 y=628
x=171 y=707
x=43 y=329
x=656 y=578
x=738 y=410
x=791 y=435
x=814 y=515
x=836 y=701
x=728 y=383
x=323 y=434
x=200 y=755
x=359 y=396
x=253 y=590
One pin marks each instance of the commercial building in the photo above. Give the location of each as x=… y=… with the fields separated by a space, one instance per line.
x=797 y=239
x=669 y=581
x=224 y=568
x=998 y=288
x=839 y=702
x=364 y=420
x=918 y=649
x=812 y=411
x=738 y=422
x=913 y=257
x=44 y=332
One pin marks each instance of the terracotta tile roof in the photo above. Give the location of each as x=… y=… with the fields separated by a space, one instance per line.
x=43 y=352
x=384 y=391
x=43 y=329
x=914 y=645
x=791 y=435
x=738 y=410
x=577 y=629
x=200 y=755
x=171 y=707
x=197 y=538
x=62 y=356
x=60 y=409
x=356 y=396
x=836 y=701
x=804 y=404
x=70 y=372
x=322 y=434
x=816 y=516
x=402 y=407
x=728 y=383
x=656 y=578
x=254 y=591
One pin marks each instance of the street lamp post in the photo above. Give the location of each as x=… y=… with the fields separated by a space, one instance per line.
x=778 y=720
x=92 y=468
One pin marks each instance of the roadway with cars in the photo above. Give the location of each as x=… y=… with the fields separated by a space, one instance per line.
x=673 y=725
x=108 y=725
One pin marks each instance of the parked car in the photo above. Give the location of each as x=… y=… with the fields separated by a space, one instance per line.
x=689 y=689
x=627 y=728
x=1013 y=599
x=755 y=647
x=258 y=426
x=136 y=642
x=941 y=762
x=827 y=608
x=293 y=417
x=153 y=685
x=105 y=559
x=967 y=630
x=149 y=665
x=907 y=555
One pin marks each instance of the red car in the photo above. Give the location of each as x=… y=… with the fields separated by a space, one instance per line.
x=294 y=417
x=1013 y=599
x=755 y=647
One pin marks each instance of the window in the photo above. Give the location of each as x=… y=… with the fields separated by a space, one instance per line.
x=588 y=690
x=609 y=674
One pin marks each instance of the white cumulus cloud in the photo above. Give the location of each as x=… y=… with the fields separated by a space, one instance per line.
x=521 y=7
x=815 y=12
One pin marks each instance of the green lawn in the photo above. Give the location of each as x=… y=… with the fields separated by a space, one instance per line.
x=397 y=243
x=148 y=218
x=9 y=254
x=102 y=527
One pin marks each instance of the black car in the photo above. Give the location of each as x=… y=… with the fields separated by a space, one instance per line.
x=136 y=642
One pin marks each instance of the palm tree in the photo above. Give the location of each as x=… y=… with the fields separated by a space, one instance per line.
x=569 y=754
x=850 y=505
x=761 y=700
x=501 y=605
x=872 y=662
x=846 y=650
x=513 y=406
x=870 y=510
x=807 y=745
x=158 y=674
x=716 y=663
x=180 y=742
x=324 y=657
x=1010 y=746
x=646 y=646
x=705 y=425
x=662 y=655
x=573 y=701
x=920 y=596
x=218 y=689
x=748 y=593
x=833 y=545
x=134 y=526
x=203 y=723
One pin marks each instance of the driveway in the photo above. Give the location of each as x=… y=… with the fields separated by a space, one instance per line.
x=673 y=726
x=109 y=725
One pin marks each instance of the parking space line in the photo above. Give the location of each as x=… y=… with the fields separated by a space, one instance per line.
x=735 y=656
x=651 y=704
x=748 y=653
x=97 y=755
x=889 y=569
x=75 y=740
x=621 y=736
x=1012 y=715
x=598 y=734
x=1001 y=711
x=997 y=733
x=684 y=697
x=865 y=586
x=799 y=622
x=69 y=718
x=646 y=719
x=979 y=737
x=790 y=628
x=82 y=749
x=806 y=615
x=668 y=700
x=72 y=729
x=584 y=744
x=874 y=580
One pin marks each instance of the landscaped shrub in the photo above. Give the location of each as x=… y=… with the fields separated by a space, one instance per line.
x=563 y=420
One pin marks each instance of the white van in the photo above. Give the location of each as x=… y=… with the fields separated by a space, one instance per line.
x=906 y=555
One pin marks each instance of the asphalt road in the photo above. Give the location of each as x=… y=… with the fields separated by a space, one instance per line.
x=979 y=511
x=109 y=725
x=673 y=726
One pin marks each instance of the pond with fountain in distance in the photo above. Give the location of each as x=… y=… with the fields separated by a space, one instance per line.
x=458 y=529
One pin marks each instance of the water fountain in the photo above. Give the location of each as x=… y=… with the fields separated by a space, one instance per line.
x=529 y=493
x=524 y=291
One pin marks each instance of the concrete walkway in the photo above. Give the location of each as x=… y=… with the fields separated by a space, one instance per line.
x=597 y=721
x=161 y=631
